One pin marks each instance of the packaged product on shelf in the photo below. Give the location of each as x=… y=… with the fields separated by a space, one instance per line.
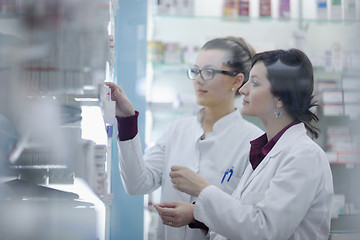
x=155 y=51
x=350 y=83
x=322 y=85
x=265 y=8
x=229 y=8
x=7 y=7
x=349 y=9
x=243 y=6
x=336 y=9
x=356 y=142
x=213 y=8
x=340 y=144
x=184 y=7
x=189 y=54
x=333 y=110
x=328 y=60
x=334 y=96
x=160 y=7
x=348 y=158
x=111 y=57
x=337 y=56
x=284 y=9
x=332 y=102
x=172 y=53
x=338 y=205
x=355 y=57
x=321 y=9
x=351 y=97
x=332 y=157
x=352 y=110
x=341 y=141
x=336 y=131
x=173 y=7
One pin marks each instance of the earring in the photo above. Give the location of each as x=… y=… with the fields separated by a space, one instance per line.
x=277 y=114
x=232 y=89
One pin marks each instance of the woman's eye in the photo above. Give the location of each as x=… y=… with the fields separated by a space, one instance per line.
x=255 y=84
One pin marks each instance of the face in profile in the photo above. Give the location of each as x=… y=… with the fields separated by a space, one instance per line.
x=219 y=89
x=258 y=101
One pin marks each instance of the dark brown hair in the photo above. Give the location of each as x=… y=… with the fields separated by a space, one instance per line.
x=240 y=53
x=290 y=73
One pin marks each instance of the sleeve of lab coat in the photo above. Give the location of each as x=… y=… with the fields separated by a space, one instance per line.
x=279 y=209
x=141 y=174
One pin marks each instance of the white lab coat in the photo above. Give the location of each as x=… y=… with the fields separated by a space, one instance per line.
x=288 y=196
x=226 y=147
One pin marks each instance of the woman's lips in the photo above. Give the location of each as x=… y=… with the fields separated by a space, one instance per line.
x=199 y=91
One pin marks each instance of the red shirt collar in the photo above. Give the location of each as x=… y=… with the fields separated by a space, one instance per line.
x=260 y=147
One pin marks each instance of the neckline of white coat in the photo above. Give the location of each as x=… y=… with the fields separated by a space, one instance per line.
x=289 y=136
x=223 y=122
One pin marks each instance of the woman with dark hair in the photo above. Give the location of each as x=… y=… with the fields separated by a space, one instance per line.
x=197 y=142
x=286 y=191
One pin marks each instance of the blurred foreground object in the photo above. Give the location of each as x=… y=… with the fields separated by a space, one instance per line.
x=53 y=63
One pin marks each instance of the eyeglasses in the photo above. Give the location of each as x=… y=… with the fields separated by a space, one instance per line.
x=207 y=74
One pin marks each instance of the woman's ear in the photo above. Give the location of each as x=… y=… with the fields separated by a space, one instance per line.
x=239 y=79
x=279 y=103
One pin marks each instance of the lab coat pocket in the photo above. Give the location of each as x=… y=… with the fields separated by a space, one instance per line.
x=229 y=186
x=253 y=198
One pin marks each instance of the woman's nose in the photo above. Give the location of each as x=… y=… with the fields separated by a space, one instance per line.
x=199 y=79
x=243 y=89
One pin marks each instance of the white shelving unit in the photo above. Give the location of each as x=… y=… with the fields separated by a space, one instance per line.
x=53 y=64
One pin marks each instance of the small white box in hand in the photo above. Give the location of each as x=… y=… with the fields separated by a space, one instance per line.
x=109 y=107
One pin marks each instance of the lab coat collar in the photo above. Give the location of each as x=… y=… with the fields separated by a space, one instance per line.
x=222 y=122
x=250 y=174
x=288 y=138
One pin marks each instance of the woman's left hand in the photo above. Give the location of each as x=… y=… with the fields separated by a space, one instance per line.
x=187 y=181
x=175 y=214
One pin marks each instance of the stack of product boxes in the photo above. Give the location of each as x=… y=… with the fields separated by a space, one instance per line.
x=173 y=7
x=342 y=145
x=171 y=53
x=351 y=88
x=339 y=91
x=331 y=98
x=341 y=98
x=338 y=9
x=91 y=167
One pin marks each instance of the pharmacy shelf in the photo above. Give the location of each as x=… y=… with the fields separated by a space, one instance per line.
x=319 y=72
x=345 y=163
x=266 y=19
x=346 y=224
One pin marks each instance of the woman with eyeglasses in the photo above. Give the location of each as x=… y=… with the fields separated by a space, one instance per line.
x=215 y=143
x=286 y=192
